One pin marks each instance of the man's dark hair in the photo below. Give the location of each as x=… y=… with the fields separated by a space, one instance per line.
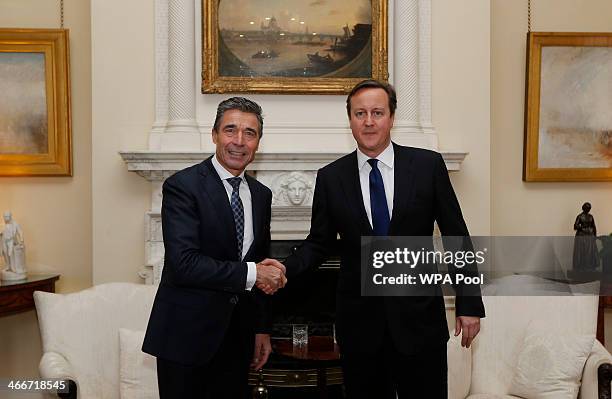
x=373 y=84
x=241 y=104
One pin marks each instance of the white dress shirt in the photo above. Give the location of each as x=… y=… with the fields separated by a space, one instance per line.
x=245 y=197
x=385 y=165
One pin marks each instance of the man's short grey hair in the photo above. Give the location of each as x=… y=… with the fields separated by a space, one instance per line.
x=241 y=104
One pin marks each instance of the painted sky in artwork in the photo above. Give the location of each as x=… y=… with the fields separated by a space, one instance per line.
x=323 y=16
x=575 y=102
x=23 y=107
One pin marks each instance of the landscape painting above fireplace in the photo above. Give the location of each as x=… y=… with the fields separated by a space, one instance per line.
x=295 y=38
x=281 y=46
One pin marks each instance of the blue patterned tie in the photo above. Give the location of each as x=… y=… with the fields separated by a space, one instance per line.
x=238 y=211
x=378 y=201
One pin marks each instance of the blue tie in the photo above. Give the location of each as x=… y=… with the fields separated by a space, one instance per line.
x=378 y=201
x=238 y=211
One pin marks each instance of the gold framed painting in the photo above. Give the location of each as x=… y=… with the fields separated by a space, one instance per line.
x=568 y=123
x=35 y=118
x=292 y=46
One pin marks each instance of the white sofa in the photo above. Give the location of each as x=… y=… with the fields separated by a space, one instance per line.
x=80 y=333
x=80 y=336
x=485 y=371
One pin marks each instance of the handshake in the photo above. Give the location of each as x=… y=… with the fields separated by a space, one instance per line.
x=270 y=276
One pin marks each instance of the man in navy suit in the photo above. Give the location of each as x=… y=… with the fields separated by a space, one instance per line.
x=389 y=345
x=208 y=321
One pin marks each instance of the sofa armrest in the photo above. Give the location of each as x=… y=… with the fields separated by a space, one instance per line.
x=459 y=368
x=54 y=365
x=597 y=374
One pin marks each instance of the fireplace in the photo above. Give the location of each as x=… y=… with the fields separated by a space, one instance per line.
x=309 y=299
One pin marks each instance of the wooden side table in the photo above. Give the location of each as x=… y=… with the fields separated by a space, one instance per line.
x=316 y=365
x=17 y=296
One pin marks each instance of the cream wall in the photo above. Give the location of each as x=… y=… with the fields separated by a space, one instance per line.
x=461 y=100
x=123 y=113
x=54 y=212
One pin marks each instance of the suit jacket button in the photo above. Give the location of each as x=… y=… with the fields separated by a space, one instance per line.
x=234 y=300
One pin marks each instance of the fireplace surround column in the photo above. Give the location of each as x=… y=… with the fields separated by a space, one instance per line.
x=181 y=131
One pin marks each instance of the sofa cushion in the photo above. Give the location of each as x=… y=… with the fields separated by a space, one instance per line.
x=492 y=396
x=137 y=370
x=550 y=366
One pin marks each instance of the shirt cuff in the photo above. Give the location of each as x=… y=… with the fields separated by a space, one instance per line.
x=251 y=275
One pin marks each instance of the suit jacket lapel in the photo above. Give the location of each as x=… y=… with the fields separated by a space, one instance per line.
x=403 y=180
x=258 y=203
x=352 y=189
x=213 y=187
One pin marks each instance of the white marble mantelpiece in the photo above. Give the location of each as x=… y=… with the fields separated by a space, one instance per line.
x=158 y=165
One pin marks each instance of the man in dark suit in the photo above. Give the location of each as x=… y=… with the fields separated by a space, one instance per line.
x=208 y=321
x=389 y=345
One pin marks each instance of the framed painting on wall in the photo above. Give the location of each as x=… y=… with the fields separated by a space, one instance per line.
x=568 y=111
x=292 y=46
x=35 y=127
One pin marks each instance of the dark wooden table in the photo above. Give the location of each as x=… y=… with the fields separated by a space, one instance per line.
x=17 y=296
x=319 y=349
x=316 y=365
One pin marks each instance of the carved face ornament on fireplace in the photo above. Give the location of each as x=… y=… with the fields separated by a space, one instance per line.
x=296 y=192
x=292 y=189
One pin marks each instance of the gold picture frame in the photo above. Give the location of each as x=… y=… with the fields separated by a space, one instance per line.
x=330 y=69
x=568 y=125
x=35 y=114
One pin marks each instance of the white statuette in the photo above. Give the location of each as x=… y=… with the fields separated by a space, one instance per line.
x=12 y=249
